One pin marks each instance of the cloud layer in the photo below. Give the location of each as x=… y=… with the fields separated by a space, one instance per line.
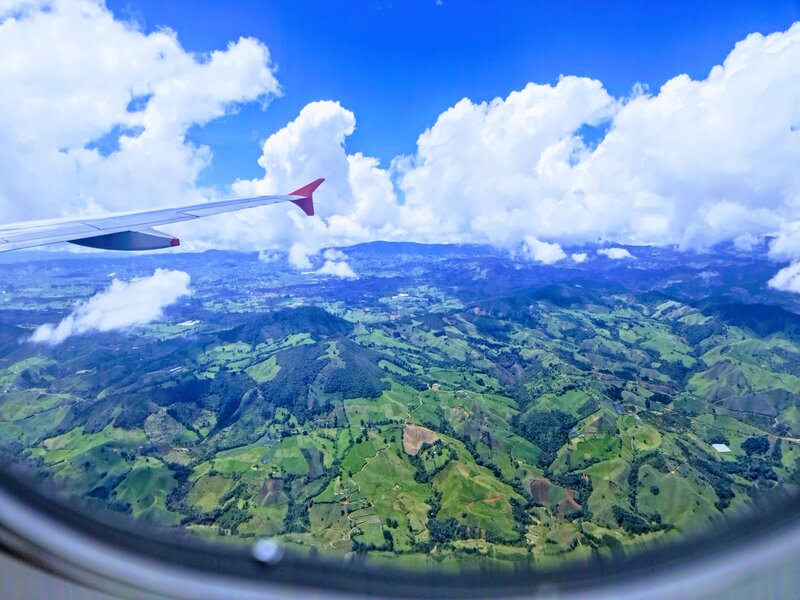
x=695 y=163
x=122 y=305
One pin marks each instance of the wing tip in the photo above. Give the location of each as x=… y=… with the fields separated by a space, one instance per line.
x=307 y=193
x=308 y=189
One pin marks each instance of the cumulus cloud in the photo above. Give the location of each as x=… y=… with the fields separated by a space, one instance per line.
x=542 y=252
x=122 y=305
x=336 y=265
x=337 y=269
x=94 y=112
x=787 y=279
x=579 y=257
x=496 y=171
x=615 y=253
x=697 y=163
x=356 y=203
x=694 y=164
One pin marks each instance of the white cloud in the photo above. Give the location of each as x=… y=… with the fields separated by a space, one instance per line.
x=697 y=163
x=615 y=253
x=579 y=257
x=122 y=305
x=336 y=265
x=69 y=74
x=542 y=252
x=337 y=269
x=694 y=164
x=356 y=203
x=496 y=172
x=787 y=279
x=334 y=254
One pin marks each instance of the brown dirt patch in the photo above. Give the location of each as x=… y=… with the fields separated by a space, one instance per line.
x=569 y=504
x=414 y=436
x=270 y=492
x=539 y=491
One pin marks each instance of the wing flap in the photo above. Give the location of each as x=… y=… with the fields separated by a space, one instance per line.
x=43 y=241
x=23 y=235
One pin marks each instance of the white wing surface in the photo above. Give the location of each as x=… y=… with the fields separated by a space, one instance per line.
x=132 y=231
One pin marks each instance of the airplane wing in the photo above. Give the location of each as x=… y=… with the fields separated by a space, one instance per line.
x=132 y=231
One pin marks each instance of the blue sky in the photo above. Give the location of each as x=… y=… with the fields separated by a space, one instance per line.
x=398 y=64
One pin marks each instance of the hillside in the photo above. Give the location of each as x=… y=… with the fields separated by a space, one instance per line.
x=478 y=410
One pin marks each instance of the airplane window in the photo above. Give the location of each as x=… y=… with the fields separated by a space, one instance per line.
x=501 y=338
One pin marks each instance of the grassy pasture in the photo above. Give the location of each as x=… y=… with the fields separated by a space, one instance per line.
x=207 y=491
x=468 y=488
x=146 y=487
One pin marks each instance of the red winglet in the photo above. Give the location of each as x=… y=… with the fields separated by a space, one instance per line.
x=307 y=201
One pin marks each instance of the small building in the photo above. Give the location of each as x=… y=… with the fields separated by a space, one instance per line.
x=722 y=448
